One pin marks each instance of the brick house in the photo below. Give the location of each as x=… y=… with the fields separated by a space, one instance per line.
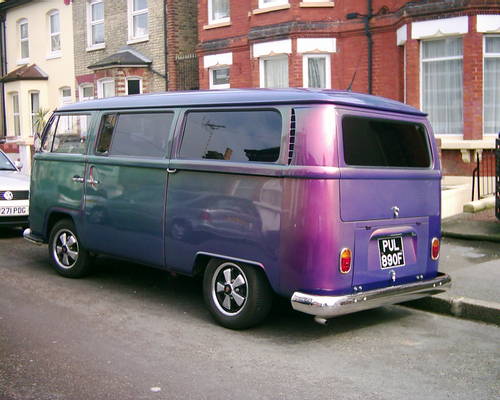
x=124 y=46
x=440 y=56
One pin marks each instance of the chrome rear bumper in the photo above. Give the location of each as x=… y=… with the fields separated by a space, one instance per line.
x=332 y=306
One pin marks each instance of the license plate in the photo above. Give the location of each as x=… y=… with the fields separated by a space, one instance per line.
x=8 y=211
x=391 y=252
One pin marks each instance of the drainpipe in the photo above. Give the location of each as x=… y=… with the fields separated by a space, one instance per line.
x=3 y=71
x=165 y=27
x=368 y=34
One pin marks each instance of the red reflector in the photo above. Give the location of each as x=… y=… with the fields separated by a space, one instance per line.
x=435 y=246
x=205 y=216
x=345 y=260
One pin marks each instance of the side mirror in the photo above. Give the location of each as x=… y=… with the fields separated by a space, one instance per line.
x=18 y=164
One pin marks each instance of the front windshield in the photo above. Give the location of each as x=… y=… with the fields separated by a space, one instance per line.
x=5 y=164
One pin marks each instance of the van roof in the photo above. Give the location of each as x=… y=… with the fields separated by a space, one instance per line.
x=235 y=97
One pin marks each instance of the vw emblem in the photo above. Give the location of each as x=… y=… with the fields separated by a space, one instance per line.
x=8 y=195
x=395 y=211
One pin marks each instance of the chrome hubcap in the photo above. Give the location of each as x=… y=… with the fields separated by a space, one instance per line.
x=229 y=289
x=65 y=249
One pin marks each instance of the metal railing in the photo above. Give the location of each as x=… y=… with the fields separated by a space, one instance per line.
x=497 y=178
x=484 y=175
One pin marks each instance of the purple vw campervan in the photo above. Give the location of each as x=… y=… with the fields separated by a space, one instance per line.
x=331 y=199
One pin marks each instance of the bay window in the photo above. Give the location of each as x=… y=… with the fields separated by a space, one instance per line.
x=491 y=84
x=442 y=84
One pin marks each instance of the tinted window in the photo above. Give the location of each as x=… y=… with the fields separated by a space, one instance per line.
x=139 y=135
x=49 y=135
x=70 y=134
x=384 y=143
x=239 y=136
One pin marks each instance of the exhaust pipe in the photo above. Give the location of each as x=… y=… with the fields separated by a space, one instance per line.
x=320 y=320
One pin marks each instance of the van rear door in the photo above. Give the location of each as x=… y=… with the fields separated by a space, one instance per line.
x=390 y=193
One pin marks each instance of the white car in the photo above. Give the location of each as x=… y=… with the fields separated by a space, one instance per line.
x=14 y=194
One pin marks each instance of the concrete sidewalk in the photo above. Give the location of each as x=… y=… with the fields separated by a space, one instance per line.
x=475 y=291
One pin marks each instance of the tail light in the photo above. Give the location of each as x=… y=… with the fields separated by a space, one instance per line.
x=435 y=247
x=345 y=260
x=205 y=216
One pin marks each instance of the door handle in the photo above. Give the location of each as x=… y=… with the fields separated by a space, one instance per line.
x=78 y=179
x=171 y=170
x=92 y=181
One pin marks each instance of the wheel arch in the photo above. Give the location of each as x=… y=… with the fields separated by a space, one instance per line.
x=203 y=258
x=53 y=217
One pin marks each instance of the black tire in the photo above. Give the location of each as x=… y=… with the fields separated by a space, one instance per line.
x=66 y=253
x=237 y=295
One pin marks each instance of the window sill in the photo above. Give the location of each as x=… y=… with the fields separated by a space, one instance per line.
x=215 y=87
x=53 y=56
x=138 y=40
x=23 y=61
x=217 y=25
x=461 y=144
x=96 y=47
x=271 y=9
x=317 y=4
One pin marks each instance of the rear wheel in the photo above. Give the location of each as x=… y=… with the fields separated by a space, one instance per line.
x=237 y=295
x=66 y=253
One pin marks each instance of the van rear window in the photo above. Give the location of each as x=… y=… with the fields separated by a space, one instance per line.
x=232 y=135
x=384 y=143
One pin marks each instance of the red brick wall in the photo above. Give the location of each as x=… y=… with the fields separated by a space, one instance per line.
x=473 y=82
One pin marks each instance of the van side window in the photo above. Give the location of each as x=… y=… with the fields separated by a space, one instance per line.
x=107 y=126
x=384 y=143
x=49 y=136
x=135 y=134
x=71 y=134
x=239 y=136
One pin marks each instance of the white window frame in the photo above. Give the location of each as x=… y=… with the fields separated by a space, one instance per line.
x=16 y=116
x=33 y=114
x=100 y=87
x=54 y=53
x=440 y=135
x=211 y=77
x=65 y=99
x=81 y=91
x=130 y=15
x=134 y=78
x=262 y=68
x=328 y=69
x=485 y=56
x=23 y=60
x=90 y=23
x=212 y=21
x=272 y=3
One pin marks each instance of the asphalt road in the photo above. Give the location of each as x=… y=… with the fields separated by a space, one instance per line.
x=129 y=332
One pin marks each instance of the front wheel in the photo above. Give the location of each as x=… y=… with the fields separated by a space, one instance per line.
x=237 y=295
x=66 y=253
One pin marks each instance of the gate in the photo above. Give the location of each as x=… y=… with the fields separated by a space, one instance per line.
x=186 y=68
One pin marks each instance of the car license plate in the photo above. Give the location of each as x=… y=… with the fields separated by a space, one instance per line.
x=9 y=211
x=391 y=252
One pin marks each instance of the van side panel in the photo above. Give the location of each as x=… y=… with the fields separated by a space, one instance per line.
x=227 y=214
x=312 y=237
x=124 y=211
x=56 y=190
